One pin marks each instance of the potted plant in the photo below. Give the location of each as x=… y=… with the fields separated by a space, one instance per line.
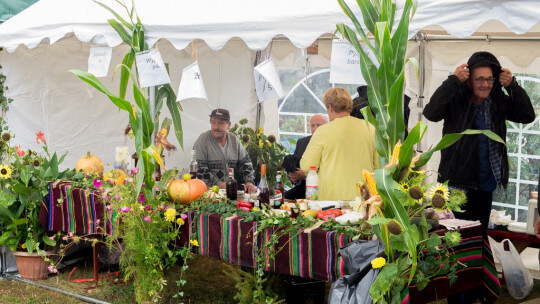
x=24 y=178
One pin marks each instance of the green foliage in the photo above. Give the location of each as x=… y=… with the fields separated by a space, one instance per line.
x=143 y=125
x=4 y=103
x=247 y=286
x=24 y=180
x=262 y=149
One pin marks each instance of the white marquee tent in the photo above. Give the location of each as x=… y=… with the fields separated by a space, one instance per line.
x=53 y=36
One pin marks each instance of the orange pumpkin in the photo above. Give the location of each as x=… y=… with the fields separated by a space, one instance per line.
x=90 y=164
x=186 y=191
x=116 y=176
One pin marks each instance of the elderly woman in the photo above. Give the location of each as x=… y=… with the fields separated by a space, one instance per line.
x=340 y=149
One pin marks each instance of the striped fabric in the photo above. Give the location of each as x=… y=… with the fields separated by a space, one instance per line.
x=309 y=255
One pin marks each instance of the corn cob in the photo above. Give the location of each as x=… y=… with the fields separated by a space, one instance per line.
x=370 y=182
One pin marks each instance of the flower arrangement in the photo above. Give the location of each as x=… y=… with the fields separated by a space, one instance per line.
x=24 y=179
x=262 y=149
x=145 y=229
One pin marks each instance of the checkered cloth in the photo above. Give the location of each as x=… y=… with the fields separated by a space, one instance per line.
x=494 y=154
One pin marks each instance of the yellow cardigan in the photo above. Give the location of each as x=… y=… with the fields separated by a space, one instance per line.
x=340 y=150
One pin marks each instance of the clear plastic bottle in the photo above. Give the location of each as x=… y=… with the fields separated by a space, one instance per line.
x=312 y=184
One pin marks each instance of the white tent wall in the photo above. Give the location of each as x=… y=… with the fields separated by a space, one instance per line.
x=520 y=56
x=77 y=118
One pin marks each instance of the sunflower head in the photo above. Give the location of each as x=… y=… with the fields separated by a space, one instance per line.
x=36 y=162
x=394 y=227
x=6 y=136
x=416 y=192
x=272 y=138
x=440 y=189
x=243 y=121
x=438 y=201
x=245 y=138
x=5 y=172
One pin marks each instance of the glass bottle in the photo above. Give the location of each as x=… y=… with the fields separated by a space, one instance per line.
x=193 y=165
x=231 y=186
x=279 y=192
x=264 y=191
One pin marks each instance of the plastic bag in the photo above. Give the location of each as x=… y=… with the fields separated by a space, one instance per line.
x=518 y=278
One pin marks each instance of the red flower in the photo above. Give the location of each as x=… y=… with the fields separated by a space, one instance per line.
x=20 y=152
x=40 y=136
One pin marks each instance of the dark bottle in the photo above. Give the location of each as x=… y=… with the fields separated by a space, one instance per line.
x=157 y=173
x=193 y=165
x=279 y=192
x=264 y=191
x=231 y=186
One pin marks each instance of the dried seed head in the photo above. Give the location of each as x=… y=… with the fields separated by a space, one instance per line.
x=6 y=136
x=36 y=163
x=416 y=193
x=272 y=138
x=394 y=227
x=438 y=201
x=245 y=138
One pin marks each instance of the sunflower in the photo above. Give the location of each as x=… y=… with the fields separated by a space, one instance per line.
x=440 y=189
x=5 y=171
x=404 y=187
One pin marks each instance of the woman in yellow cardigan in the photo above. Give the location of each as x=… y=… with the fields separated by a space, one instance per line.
x=340 y=149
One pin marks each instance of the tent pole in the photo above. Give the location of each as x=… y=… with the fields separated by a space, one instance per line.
x=420 y=36
x=259 y=105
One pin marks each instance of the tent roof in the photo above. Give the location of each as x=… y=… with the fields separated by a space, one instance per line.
x=256 y=22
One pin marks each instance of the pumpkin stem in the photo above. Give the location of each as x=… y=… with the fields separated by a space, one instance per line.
x=88 y=154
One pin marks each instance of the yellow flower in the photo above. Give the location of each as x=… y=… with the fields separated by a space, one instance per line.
x=5 y=171
x=404 y=187
x=194 y=242
x=170 y=214
x=378 y=263
x=151 y=246
x=180 y=221
x=260 y=143
x=259 y=132
x=23 y=246
x=269 y=144
x=440 y=189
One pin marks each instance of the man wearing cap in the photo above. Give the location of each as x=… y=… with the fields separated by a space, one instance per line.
x=218 y=150
x=479 y=95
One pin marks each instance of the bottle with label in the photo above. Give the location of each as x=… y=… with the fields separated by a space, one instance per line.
x=231 y=186
x=264 y=190
x=312 y=184
x=279 y=192
x=193 y=165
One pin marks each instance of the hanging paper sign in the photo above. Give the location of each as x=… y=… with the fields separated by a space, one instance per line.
x=152 y=71
x=191 y=84
x=99 y=60
x=267 y=83
x=345 y=63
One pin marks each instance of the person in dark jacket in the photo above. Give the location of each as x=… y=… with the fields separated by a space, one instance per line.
x=473 y=98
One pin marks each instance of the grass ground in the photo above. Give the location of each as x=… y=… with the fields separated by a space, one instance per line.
x=207 y=283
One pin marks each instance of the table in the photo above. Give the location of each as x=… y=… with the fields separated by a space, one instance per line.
x=308 y=255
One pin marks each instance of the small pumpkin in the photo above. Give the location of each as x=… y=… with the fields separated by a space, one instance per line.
x=90 y=164
x=114 y=176
x=186 y=191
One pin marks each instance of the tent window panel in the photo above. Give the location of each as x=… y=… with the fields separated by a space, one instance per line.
x=292 y=123
x=522 y=215
x=507 y=197
x=529 y=169
x=513 y=166
x=530 y=144
x=302 y=101
x=289 y=141
x=512 y=141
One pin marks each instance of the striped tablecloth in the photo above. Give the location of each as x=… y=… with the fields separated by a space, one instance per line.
x=309 y=255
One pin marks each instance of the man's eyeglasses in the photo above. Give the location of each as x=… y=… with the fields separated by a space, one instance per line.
x=481 y=80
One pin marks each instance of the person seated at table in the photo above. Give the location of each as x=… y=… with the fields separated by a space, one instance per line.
x=218 y=150
x=341 y=149
x=291 y=162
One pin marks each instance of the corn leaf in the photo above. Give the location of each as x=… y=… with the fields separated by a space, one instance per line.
x=124 y=22
x=93 y=81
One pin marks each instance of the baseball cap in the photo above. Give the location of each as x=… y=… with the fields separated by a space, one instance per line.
x=221 y=113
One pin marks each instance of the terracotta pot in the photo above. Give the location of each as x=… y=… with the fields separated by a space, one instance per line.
x=31 y=266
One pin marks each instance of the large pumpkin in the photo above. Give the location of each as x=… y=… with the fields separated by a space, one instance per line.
x=186 y=191
x=90 y=164
x=115 y=176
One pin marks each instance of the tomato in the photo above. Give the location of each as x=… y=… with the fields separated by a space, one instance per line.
x=337 y=212
x=320 y=214
x=328 y=216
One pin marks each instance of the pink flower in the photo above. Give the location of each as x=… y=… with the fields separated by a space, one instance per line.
x=20 y=152
x=98 y=221
x=86 y=175
x=147 y=218
x=134 y=171
x=124 y=182
x=40 y=136
x=147 y=207
x=51 y=238
x=184 y=217
x=125 y=209
x=105 y=196
x=142 y=198
x=117 y=197
x=109 y=207
x=97 y=183
x=70 y=234
x=65 y=238
x=52 y=269
x=143 y=185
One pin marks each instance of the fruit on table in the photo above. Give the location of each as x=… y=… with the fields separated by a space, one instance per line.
x=310 y=212
x=186 y=176
x=90 y=164
x=244 y=204
x=186 y=191
x=114 y=176
x=215 y=189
